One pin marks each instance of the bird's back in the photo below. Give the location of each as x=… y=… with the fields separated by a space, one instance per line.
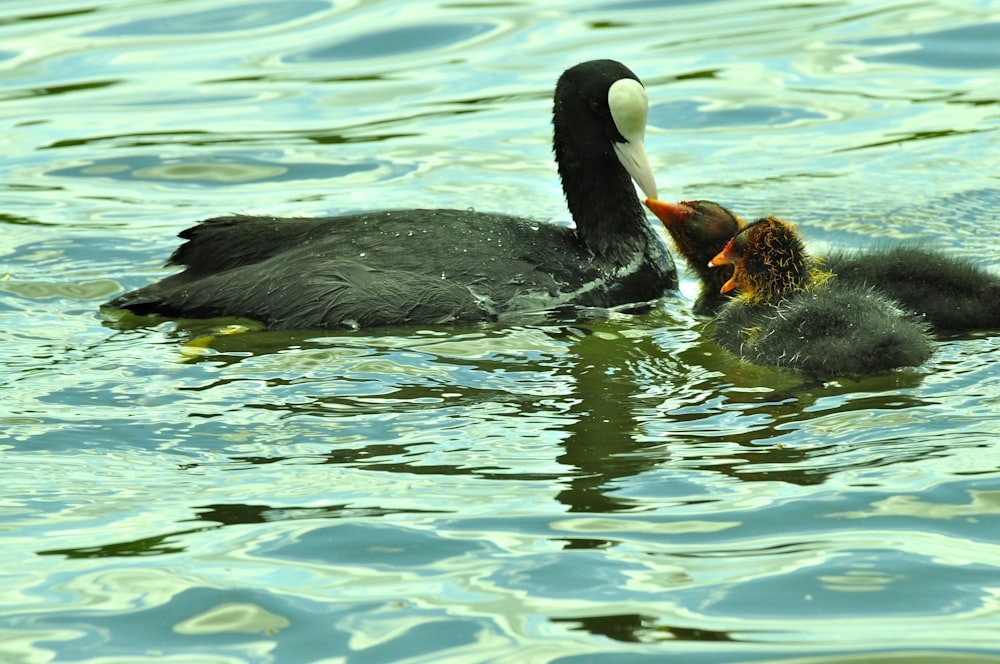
x=374 y=269
x=951 y=293
x=835 y=329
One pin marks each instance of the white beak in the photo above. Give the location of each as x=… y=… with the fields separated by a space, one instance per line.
x=628 y=103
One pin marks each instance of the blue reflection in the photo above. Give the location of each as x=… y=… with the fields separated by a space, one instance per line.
x=218 y=170
x=968 y=47
x=692 y=114
x=220 y=19
x=648 y=4
x=380 y=547
x=395 y=41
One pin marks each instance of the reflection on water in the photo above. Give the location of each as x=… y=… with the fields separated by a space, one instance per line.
x=603 y=489
x=967 y=47
x=215 y=21
x=219 y=170
x=396 y=42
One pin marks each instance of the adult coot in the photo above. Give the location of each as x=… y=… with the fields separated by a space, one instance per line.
x=402 y=267
x=949 y=292
x=788 y=314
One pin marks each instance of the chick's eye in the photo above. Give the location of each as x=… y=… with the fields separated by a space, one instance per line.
x=596 y=107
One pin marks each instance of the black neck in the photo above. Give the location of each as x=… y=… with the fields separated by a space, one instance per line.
x=601 y=197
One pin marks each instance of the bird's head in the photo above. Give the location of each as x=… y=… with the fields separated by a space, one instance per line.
x=768 y=259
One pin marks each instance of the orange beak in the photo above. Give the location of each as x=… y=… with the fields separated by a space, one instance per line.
x=669 y=213
x=730 y=284
x=727 y=257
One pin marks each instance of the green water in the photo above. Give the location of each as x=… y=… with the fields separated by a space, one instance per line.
x=605 y=490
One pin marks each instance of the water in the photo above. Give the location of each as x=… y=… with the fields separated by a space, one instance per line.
x=609 y=490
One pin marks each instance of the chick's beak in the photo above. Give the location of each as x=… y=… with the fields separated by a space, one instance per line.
x=671 y=214
x=730 y=284
x=727 y=257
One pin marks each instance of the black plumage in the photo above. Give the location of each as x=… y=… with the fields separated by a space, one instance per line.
x=948 y=292
x=788 y=314
x=700 y=230
x=402 y=267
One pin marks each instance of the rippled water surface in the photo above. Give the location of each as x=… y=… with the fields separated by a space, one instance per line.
x=605 y=490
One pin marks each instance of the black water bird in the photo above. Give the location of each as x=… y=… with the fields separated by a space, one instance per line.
x=948 y=292
x=788 y=313
x=401 y=267
x=700 y=230
x=951 y=293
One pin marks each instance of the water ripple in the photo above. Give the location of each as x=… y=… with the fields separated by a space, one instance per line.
x=609 y=488
x=395 y=42
x=245 y=17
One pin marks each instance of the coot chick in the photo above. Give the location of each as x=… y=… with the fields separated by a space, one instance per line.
x=788 y=314
x=700 y=229
x=949 y=292
x=402 y=267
